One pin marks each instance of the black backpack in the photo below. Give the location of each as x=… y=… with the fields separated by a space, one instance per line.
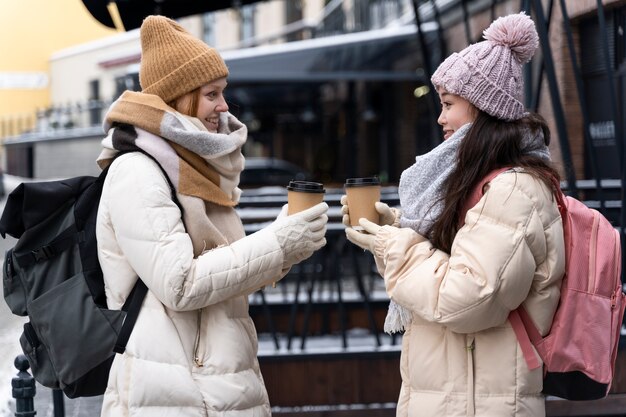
x=52 y=275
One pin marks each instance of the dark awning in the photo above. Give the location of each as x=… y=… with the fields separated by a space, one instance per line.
x=132 y=12
x=378 y=55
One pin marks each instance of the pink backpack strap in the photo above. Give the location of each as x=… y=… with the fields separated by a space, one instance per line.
x=523 y=326
x=526 y=333
x=478 y=191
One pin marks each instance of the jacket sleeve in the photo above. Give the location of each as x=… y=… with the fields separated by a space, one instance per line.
x=151 y=235
x=489 y=272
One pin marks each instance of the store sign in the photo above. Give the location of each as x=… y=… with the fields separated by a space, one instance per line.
x=602 y=133
x=23 y=80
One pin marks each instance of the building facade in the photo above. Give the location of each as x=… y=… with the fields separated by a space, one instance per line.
x=341 y=88
x=30 y=32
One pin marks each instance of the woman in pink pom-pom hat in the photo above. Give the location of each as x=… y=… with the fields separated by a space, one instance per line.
x=453 y=268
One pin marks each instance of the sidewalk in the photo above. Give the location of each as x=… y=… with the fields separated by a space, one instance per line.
x=78 y=407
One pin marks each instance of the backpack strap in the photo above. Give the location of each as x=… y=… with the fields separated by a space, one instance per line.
x=525 y=329
x=523 y=326
x=527 y=334
x=139 y=291
x=66 y=239
x=561 y=199
x=167 y=178
x=477 y=193
x=132 y=307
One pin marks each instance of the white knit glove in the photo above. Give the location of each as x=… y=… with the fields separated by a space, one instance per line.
x=300 y=234
x=388 y=215
x=366 y=239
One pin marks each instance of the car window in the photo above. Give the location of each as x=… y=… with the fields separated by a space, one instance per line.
x=269 y=176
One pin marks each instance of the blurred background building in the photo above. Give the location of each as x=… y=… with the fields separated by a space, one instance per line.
x=338 y=87
x=31 y=32
x=333 y=89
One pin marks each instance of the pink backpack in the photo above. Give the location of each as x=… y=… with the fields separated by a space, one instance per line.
x=580 y=349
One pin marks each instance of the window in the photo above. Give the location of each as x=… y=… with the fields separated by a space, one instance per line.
x=209 y=21
x=126 y=82
x=247 y=22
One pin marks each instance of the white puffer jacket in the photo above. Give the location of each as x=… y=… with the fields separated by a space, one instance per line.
x=193 y=349
x=460 y=356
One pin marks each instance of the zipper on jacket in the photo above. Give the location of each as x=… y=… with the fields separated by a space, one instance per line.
x=469 y=348
x=196 y=345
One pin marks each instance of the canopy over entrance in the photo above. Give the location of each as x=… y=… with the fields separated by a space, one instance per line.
x=132 y=12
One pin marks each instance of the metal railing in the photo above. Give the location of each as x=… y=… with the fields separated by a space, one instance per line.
x=55 y=118
x=340 y=17
x=338 y=287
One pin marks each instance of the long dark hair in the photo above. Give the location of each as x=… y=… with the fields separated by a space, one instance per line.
x=490 y=144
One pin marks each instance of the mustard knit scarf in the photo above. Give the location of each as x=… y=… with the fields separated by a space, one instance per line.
x=204 y=167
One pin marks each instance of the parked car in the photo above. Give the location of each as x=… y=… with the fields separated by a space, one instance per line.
x=261 y=172
x=2 y=189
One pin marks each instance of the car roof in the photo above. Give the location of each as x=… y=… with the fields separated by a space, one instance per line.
x=264 y=162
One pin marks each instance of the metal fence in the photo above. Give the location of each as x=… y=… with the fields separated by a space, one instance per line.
x=337 y=294
x=88 y=113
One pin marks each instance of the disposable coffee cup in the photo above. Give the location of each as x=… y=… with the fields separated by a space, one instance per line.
x=302 y=195
x=362 y=195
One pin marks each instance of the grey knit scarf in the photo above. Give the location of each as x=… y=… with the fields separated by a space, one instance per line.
x=421 y=189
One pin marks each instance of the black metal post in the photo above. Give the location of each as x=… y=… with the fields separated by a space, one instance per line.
x=24 y=388
x=307 y=309
x=612 y=88
x=440 y=37
x=557 y=108
x=528 y=69
x=466 y=23
x=268 y=318
x=428 y=66
x=428 y=70
x=358 y=276
x=351 y=130
x=535 y=97
x=294 y=309
x=583 y=104
x=343 y=322
x=58 y=402
x=619 y=138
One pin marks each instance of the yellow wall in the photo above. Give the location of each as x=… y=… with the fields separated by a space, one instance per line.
x=30 y=31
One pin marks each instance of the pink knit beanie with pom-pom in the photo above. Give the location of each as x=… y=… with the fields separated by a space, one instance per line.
x=488 y=74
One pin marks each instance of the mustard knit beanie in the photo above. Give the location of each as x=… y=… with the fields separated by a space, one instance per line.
x=173 y=62
x=488 y=74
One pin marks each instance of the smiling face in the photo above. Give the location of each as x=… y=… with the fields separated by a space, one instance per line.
x=455 y=112
x=206 y=103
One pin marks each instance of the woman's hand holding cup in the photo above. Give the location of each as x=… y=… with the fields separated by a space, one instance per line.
x=361 y=196
x=364 y=194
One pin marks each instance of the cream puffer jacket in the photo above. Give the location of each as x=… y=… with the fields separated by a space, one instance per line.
x=193 y=349
x=460 y=356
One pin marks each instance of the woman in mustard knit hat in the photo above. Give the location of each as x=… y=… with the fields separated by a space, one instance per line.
x=193 y=349
x=453 y=268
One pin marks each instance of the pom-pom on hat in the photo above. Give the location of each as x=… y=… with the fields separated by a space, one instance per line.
x=173 y=62
x=488 y=74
